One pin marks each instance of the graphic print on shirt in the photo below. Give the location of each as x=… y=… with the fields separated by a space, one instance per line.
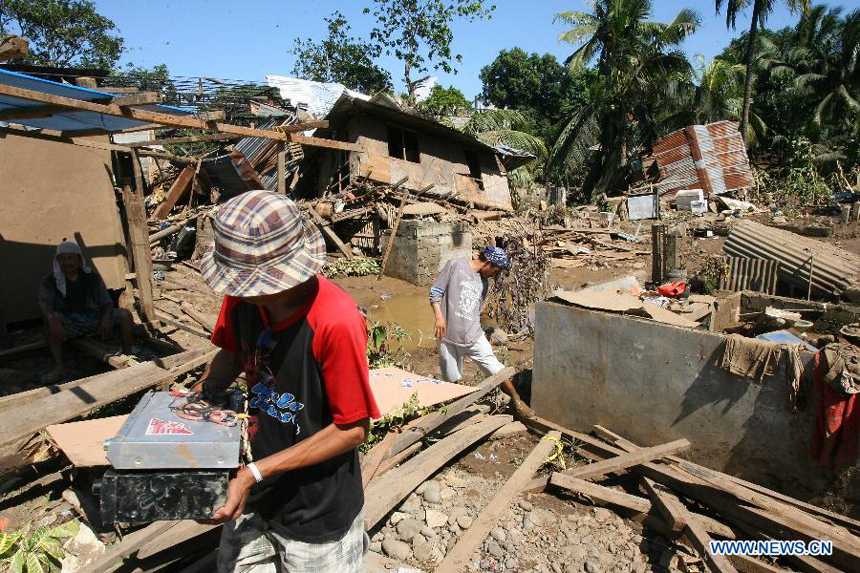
x=470 y=297
x=282 y=407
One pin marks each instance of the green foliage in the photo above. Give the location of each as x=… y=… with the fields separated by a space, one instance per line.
x=525 y=283
x=379 y=337
x=418 y=33
x=341 y=58
x=36 y=551
x=537 y=85
x=638 y=64
x=355 y=267
x=62 y=33
x=394 y=420
x=444 y=101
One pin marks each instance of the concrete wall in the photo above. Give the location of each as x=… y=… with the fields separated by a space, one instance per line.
x=654 y=383
x=49 y=191
x=422 y=248
x=442 y=163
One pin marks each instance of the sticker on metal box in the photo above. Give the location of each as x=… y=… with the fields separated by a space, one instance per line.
x=159 y=427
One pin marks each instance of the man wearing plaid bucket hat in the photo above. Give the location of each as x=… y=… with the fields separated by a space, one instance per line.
x=301 y=342
x=457 y=298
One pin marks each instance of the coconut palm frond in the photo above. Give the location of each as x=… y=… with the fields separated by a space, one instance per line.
x=575 y=18
x=515 y=139
x=572 y=148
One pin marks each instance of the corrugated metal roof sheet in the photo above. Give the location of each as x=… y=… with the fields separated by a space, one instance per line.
x=832 y=269
x=319 y=97
x=71 y=121
x=724 y=159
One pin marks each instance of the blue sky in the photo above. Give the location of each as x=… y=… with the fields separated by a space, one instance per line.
x=247 y=40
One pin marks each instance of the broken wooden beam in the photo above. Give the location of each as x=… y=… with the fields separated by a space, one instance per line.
x=620 y=462
x=180 y=187
x=394 y=228
x=459 y=556
x=386 y=491
x=205 y=321
x=327 y=230
x=141 y=255
x=635 y=504
x=169 y=119
x=435 y=419
x=38 y=111
x=22 y=422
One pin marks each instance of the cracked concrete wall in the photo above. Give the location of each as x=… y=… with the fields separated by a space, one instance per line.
x=653 y=383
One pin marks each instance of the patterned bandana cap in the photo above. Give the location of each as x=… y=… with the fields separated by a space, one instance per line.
x=262 y=246
x=496 y=256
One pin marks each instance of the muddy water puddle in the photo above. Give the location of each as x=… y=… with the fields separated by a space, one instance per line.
x=413 y=313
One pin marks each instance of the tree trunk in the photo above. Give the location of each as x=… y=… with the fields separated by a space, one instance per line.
x=745 y=117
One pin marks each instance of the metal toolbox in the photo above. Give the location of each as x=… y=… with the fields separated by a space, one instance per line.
x=165 y=466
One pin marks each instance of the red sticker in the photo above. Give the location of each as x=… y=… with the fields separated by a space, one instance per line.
x=159 y=427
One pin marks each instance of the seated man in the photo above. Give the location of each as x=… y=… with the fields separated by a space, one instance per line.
x=74 y=303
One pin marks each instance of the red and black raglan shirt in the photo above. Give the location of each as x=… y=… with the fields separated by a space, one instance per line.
x=311 y=373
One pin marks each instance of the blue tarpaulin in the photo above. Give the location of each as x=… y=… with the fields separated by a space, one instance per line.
x=71 y=121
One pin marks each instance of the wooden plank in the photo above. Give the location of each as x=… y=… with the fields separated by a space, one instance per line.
x=458 y=557
x=22 y=348
x=699 y=539
x=99 y=351
x=180 y=533
x=434 y=420
x=27 y=396
x=636 y=504
x=141 y=255
x=130 y=543
x=370 y=463
x=386 y=491
x=172 y=120
x=619 y=462
x=204 y=137
x=393 y=235
x=818 y=512
x=160 y=315
x=326 y=229
x=746 y=564
x=398 y=458
x=23 y=422
x=670 y=507
x=180 y=186
x=207 y=322
x=37 y=111
x=13 y=47
x=282 y=169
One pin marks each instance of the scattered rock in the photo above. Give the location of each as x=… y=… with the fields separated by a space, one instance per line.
x=526 y=505
x=495 y=550
x=432 y=492
x=591 y=566
x=396 y=549
x=602 y=514
x=435 y=518
x=409 y=528
x=397 y=517
x=465 y=521
x=498 y=534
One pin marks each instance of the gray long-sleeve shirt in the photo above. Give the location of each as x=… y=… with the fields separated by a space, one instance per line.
x=460 y=291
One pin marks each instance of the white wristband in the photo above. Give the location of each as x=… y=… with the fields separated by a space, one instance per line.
x=255 y=472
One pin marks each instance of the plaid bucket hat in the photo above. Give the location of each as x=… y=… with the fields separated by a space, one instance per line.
x=262 y=246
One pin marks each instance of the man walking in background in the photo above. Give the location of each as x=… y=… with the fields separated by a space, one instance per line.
x=457 y=298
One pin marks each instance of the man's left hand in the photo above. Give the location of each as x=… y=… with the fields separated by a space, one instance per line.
x=237 y=497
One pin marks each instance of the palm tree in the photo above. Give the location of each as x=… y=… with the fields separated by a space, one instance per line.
x=507 y=127
x=832 y=72
x=636 y=60
x=761 y=9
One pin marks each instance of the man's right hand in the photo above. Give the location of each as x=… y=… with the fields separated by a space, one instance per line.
x=57 y=330
x=441 y=328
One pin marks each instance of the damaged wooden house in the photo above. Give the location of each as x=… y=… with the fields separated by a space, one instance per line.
x=438 y=173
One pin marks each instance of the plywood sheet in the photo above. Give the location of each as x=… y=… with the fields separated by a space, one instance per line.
x=50 y=191
x=392 y=387
x=83 y=442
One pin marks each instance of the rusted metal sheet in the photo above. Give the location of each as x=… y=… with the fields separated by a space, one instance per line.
x=711 y=157
x=750 y=274
x=801 y=260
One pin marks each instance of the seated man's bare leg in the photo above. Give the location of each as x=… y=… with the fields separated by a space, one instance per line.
x=124 y=321
x=55 y=344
